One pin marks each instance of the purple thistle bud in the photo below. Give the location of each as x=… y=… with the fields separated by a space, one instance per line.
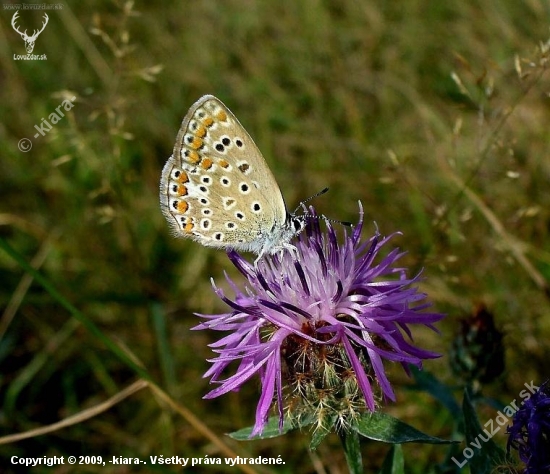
x=530 y=432
x=316 y=323
x=477 y=353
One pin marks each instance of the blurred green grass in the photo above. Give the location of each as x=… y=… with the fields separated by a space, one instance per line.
x=357 y=96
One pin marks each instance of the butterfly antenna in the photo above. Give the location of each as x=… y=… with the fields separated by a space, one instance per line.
x=320 y=193
x=334 y=221
x=322 y=216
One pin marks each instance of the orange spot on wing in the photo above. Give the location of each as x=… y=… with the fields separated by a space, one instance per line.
x=182 y=190
x=221 y=116
x=208 y=121
x=196 y=143
x=189 y=227
x=201 y=132
x=183 y=178
x=207 y=163
x=182 y=207
x=224 y=164
x=193 y=157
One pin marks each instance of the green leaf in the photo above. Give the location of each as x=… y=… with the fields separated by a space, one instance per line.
x=352 y=450
x=166 y=358
x=271 y=429
x=394 y=462
x=382 y=427
x=488 y=454
x=429 y=383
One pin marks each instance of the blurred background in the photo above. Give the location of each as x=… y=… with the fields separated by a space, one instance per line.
x=433 y=114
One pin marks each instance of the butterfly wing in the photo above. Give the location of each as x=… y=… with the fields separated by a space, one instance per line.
x=216 y=187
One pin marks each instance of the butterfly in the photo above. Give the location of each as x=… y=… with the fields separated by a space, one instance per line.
x=217 y=189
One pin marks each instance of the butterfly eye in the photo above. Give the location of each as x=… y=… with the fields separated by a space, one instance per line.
x=298 y=224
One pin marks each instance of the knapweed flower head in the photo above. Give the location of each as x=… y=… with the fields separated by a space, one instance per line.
x=530 y=432
x=477 y=352
x=315 y=325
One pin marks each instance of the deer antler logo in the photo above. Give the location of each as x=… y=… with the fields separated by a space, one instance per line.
x=29 y=40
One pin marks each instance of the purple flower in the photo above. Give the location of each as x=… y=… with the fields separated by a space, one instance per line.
x=316 y=323
x=530 y=432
